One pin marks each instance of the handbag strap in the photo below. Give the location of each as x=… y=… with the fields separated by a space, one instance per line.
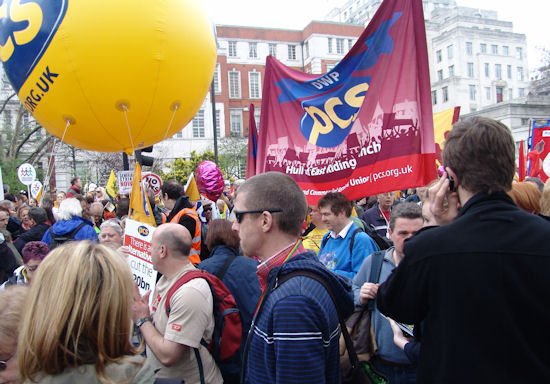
x=375 y=270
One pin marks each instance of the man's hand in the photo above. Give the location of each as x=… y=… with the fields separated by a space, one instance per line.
x=368 y=292
x=140 y=308
x=443 y=203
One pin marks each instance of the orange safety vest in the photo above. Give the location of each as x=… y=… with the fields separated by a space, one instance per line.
x=194 y=255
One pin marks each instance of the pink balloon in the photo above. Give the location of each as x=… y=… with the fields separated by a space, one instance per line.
x=209 y=180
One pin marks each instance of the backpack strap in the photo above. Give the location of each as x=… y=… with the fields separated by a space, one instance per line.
x=354 y=360
x=352 y=241
x=188 y=276
x=75 y=231
x=375 y=270
x=221 y=274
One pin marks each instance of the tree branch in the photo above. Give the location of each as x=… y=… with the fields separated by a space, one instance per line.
x=5 y=103
x=26 y=138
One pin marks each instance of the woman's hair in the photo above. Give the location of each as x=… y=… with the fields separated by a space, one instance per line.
x=220 y=232
x=34 y=250
x=11 y=307
x=526 y=196
x=113 y=223
x=79 y=312
x=69 y=208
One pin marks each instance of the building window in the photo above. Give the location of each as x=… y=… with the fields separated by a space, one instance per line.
x=438 y=56
x=234 y=84
x=494 y=49
x=440 y=75
x=509 y=71
x=486 y=69
x=340 y=46
x=254 y=85
x=470 y=70
x=198 y=124
x=445 y=94
x=451 y=70
x=218 y=122
x=469 y=48
x=483 y=48
x=330 y=67
x=330 y=45
x=253 y=50
x=505 y=50
x=292 y=52
x=519 y=53
x=232 y=49
x=520 y=73
x=510 y=93
x=257 y=118
x=350 y=44
x=273 y=49
x=306 y=49
x=434 y=97
x=500 y=94
x=521 y=92
x=178 y=135
x=236 y=122
x=498 y=71
x=488 y=93
x=7 y=118
x=450 y=51
x=472 y=89
x=217 y=83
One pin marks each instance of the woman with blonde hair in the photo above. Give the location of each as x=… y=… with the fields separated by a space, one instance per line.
x=11 y=306
x=77 y=326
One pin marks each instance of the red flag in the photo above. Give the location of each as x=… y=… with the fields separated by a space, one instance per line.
x=363 y=128
x=252 y=144
x=521 y=161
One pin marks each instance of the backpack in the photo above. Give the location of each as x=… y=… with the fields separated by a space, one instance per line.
x=226 y=338
x=57 y=240
x=357 y=343
x=380 y=241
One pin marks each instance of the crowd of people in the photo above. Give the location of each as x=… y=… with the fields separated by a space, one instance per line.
x=463 y=260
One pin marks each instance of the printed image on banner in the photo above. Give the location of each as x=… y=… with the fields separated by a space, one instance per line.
x=137 y=240
x=539 y=151
x=364 y=127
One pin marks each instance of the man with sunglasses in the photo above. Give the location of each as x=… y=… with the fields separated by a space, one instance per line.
x=295 y=332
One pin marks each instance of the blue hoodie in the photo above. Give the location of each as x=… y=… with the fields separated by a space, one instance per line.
x=64 y=227
x=295 y=338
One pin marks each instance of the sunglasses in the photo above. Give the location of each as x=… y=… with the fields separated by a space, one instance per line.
x=239 y=215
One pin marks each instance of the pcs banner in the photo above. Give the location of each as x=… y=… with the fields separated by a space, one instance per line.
x=366 y=126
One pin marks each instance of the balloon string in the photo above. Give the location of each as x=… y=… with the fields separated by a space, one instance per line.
x=125 y=110
x=53 y=153
x=171 y=121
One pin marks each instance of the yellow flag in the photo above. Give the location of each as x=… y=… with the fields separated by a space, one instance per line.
x=111 y=187
x=443 y=123
x=191 y=189
x=140 y=208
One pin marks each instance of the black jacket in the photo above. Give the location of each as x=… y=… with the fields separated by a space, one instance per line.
x=481 y=286
x=33 y=234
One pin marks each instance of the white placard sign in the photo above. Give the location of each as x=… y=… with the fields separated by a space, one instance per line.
x=124 y=179
x=36 y=186
x=26 y=174
x=137 y=239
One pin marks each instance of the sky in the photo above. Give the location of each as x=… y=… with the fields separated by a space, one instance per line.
x=528 y=16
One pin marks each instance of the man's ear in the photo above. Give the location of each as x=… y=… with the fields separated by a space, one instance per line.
x=267 y=222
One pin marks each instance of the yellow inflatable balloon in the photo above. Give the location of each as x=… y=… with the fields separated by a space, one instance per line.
x=108 y=75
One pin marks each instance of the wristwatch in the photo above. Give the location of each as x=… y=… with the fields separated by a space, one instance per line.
x=142 y=321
